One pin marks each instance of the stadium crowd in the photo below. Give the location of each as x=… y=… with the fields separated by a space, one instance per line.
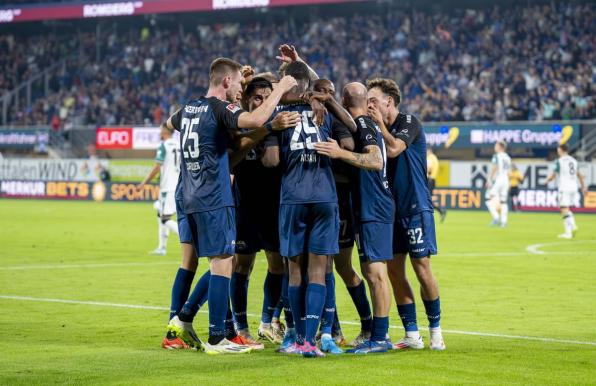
x=517 y=63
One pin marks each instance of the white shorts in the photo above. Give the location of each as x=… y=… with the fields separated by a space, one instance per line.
x=567 y=198
x=500 y=190
x=167 y=203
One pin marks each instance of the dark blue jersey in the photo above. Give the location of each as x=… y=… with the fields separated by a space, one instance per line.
x=254 y=183
x=407 y=172
x=205 y=126
x=372 y=200
x=307 y=177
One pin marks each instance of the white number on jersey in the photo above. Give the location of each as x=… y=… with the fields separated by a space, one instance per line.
x=306 y=124
x=190 y=150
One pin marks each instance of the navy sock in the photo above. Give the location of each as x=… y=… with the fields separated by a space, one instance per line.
x=297 y=305
x=336 y=328
x=219 y=293
x=433 y=312
x=277 y=311
x=315 y=302
x=272 y=293
x=180 y=290
x=328 y=315
x=197 y=298
x=358 y=295
x=407 y=313
x=286 y=302
x=380 y=328
x=230 y=330
x=239 y=295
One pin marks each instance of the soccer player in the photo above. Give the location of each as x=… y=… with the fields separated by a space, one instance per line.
x=257 y=198
x=568 y=173
x=498 y=185
x=373 y=209
x=515 y=178
x=205 y=126
x=413 y=228
x=343 y=174
x=167 y=164
x=432 y=171
x=308 y=216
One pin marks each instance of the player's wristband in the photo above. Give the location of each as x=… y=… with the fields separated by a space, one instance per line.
x=269 y=127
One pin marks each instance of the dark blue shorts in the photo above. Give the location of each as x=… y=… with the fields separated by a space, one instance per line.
x=213 y=232
x=183 y=227
x=308 y=227
x=346 y=219
x=257 y=228
x=374 y=241
x=415 y=235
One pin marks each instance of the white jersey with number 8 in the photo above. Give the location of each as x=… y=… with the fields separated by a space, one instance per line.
x=566 y=168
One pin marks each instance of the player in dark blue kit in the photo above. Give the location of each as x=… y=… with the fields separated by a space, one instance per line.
x=257 y=199
x=414 y=227
x=207 y=125
x=373 y=210
x=343 y=173
x=309 y=222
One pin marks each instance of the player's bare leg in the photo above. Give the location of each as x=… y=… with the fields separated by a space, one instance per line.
x=404 y=298
x=429 y=290
x=270 y=329
x=357 y=291
x=375 y=274
x=221 y=268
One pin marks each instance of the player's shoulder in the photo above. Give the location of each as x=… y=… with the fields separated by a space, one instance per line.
x=406 y=122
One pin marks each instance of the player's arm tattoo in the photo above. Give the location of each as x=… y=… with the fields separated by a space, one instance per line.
x=371 y=159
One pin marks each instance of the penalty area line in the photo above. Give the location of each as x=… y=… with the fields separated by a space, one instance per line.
x=161 y=308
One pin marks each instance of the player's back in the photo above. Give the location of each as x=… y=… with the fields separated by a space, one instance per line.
x=566 y=167
x=307 y=176
x=204 y=137
x=407 y=172
x=169 y=154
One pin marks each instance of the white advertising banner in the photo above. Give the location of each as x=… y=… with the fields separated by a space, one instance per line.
x=32 y=169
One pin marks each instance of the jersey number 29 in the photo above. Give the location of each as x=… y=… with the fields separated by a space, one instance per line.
x=309 y=128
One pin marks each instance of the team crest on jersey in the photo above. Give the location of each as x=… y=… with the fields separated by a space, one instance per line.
x=233 y=108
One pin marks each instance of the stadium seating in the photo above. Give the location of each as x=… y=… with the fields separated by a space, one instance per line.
x=520 y=63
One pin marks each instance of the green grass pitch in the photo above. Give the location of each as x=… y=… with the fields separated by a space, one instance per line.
x=510 y=316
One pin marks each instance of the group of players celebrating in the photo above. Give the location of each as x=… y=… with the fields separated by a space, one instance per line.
x=275 y=163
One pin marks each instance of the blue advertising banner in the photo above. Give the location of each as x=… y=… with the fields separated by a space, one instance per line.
x=24 y=139
x=527 y=135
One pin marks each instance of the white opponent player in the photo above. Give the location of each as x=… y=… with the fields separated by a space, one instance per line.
x=498 y=185
x=167 y=164
x=566 y=169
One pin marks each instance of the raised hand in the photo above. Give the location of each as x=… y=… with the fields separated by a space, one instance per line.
x=284 y=120
x=287 y=83
x=288 y=54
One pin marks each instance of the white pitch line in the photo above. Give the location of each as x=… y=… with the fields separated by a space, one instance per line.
x=536 y=248
x=92 y=265
x=160 y=308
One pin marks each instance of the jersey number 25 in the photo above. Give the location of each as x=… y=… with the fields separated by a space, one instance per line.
x=190 y=139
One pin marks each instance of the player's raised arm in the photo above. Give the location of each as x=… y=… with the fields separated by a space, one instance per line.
x=257 y=118
x=247 y=141
x=289 y=54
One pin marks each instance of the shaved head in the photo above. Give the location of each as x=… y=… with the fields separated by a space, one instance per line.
x=355 y=95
